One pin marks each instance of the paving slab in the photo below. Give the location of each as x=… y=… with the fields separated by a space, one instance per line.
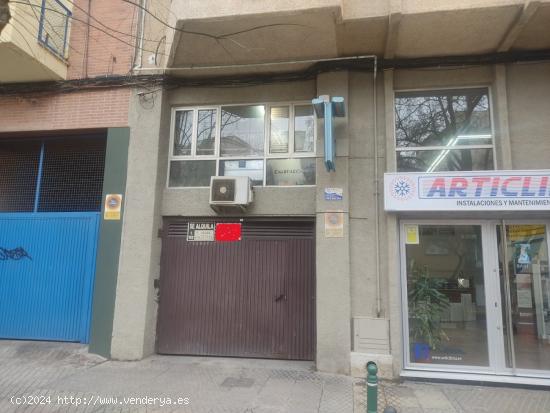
x=65 y=378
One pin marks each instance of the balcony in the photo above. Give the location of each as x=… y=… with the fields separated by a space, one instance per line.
x=237 y=32
x=34 y=45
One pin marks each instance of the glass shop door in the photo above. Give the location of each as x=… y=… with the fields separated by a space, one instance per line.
x=524 y=280
x=476 y=297
x=452 y=306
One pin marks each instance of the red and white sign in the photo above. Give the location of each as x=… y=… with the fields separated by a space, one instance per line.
x=468 y=191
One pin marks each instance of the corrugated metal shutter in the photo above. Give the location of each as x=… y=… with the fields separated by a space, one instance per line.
x=252 y=298
x=51 y=195
x=47 y=265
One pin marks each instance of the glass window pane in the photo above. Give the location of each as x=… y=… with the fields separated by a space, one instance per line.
x=278 y=139
x=442 y=118
x=525 y=289
x=206 y=132
x=242 y=130
x=191 y=173
x=183 y=132
x=285 y=172
x=446 y=296
x=304 y=129
x=445 y=160
x=254 y=168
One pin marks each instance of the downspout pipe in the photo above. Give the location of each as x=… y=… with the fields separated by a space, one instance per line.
x=138 y=55
x=376 y=191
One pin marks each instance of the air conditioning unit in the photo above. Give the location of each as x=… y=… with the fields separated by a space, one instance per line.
x=230 y=192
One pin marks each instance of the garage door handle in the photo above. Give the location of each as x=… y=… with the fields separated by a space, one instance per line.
x=281 y=297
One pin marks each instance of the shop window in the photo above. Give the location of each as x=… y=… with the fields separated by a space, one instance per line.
x=272 y=144
x=444 y=130
x=445 y=284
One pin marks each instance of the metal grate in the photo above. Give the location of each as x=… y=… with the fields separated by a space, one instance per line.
x=18 y=175
x=72 y=175
x=53 y=175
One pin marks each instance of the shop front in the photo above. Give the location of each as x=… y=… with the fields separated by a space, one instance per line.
x=475 y=279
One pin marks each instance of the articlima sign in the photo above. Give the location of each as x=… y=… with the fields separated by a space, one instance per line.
x=472 y=191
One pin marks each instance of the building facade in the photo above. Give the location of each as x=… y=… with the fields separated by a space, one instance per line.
x=421 y=245
x=63 y=144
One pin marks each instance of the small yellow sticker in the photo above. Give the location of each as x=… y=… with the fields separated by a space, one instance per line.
x=411 y=234
x=113 y=205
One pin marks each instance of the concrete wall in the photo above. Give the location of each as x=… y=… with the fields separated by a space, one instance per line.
x=135 y=308
x=529 y=109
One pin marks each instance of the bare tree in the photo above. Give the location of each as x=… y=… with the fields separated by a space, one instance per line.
x=437 y=121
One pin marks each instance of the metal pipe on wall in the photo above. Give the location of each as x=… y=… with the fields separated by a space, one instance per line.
x=139 y=45
x=376 y=192
x=244 y=65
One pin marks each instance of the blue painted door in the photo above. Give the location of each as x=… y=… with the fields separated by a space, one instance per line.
x=47 y=267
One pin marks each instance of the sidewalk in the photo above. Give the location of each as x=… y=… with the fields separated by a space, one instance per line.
x=210 y=384
x=57 y=372
x=419 y=397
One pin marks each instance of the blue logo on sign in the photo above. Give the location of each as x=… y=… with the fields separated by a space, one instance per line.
x=402 y=188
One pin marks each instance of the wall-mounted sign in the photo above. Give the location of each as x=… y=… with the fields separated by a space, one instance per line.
x=467 y=191
x=113 y=205
x=228 y=232
x=334 y=194
x=334 y=224
x=200 y=231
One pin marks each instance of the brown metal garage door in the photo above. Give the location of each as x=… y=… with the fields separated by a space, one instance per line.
x=250 y=298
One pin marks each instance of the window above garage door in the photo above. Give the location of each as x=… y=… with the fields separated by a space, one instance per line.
x=273 y=144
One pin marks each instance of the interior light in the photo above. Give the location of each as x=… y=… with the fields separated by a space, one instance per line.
x=451 y=143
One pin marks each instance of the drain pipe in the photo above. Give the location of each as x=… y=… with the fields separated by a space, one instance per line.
x=376 y=193
x=138 y=52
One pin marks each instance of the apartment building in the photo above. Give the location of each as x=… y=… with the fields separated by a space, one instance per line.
x=63 y=149
x=338 y=181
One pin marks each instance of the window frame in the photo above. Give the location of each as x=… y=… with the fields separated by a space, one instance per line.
x=61 y=54
x=457 y=89
x=267 y=155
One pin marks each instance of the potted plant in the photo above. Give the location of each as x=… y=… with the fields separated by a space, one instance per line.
x=426 y=305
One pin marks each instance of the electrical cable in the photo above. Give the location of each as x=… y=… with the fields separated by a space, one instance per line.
x=170 y=82
x=104 y=25
x=211 y=36
x=91 y=25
